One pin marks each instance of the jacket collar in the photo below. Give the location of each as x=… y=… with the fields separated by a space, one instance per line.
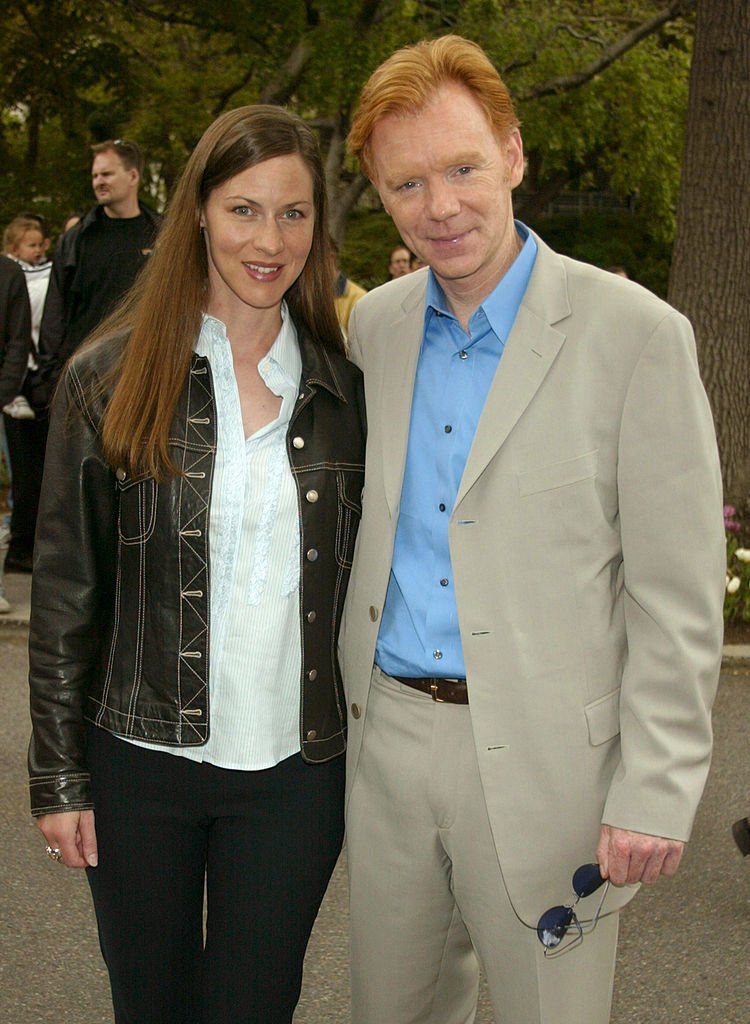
x=96 y=213
x=319 y=366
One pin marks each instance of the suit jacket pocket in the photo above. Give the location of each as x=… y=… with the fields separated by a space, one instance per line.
x=558 y=474
x=603 y=718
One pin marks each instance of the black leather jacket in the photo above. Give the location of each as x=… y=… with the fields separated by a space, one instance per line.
x=120 y=592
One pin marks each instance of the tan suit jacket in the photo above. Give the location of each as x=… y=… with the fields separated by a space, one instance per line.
x=587 y=549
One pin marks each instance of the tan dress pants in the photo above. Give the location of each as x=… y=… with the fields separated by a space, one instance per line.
x=428 y=901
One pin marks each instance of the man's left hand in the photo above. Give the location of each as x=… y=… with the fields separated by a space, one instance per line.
x=628 y=857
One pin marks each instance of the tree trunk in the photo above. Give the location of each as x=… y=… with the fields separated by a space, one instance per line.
x=710 y=275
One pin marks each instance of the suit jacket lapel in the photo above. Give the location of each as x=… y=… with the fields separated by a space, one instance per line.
x=401 y=344
x=529 y=353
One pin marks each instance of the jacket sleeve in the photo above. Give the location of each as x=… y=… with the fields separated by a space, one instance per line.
x=674 y=558
x=72 y=592
x=17 y=337
x=51 y=329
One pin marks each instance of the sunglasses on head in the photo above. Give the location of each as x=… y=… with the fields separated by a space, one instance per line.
x=557 y=922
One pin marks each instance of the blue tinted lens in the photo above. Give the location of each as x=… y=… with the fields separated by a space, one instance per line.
x=587 y=880
x=553 y=924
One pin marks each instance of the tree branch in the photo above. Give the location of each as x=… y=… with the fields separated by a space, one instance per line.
x=611 y=53
x=224 y=97
x=343 y=204
x=281 y=88
x=138 y=7
x=529 y=206
x=531 y=58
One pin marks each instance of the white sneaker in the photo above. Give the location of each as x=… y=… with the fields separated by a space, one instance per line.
x=19 y=409
x=5 y=605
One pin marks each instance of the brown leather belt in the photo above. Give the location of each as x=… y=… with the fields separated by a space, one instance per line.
x=444 y=691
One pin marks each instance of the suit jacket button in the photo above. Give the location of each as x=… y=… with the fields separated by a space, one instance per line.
x=298 y=442
x=121 y=475
x=312 y=497
x=312 y=675
x=356 y=712
x=312 y=616
x=312 y=555
x=312 y=735
x=373 y=614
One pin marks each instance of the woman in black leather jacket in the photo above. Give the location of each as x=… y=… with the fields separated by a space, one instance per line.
x=200 y=504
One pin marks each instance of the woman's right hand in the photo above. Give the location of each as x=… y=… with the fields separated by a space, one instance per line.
x=73 y=834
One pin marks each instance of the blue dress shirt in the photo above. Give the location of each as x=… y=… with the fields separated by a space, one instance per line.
x=419 y=633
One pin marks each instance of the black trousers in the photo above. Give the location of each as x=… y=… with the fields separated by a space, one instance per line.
x=27 y=440
x=263 y=844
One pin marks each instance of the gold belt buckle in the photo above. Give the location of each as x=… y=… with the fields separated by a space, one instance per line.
x=434 y=692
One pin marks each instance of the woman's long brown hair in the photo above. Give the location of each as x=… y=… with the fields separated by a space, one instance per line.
x=161 y=314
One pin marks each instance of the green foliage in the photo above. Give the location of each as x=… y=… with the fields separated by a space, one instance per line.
x=611 y=239
x=161 y=71
x=369 y=240
x=604 y=239
x=624 y=127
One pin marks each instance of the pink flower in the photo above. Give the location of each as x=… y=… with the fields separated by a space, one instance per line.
x=730 y=523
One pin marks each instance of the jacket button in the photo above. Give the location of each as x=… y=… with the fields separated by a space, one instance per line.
x=312 y=675
x=121 y=475
x=312 y=735
x=298 y=442
x=312 y=616
x=312 y=497
x=356 y=711
x=373 y=614
x=312 y=555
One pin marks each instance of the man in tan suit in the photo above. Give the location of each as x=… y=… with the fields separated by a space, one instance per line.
x=533 y=628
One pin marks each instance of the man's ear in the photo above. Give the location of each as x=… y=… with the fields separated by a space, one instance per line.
x=514 y=157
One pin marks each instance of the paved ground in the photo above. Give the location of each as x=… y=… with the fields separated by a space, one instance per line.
x=683 y=953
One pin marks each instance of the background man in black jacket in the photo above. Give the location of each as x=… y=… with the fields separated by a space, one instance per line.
x=97 y=260
x=95 y=263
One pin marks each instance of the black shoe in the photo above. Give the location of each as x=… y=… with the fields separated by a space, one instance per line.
x=741 y=833
x=17 y=563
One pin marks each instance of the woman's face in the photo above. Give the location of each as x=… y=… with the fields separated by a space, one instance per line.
x=258 y=229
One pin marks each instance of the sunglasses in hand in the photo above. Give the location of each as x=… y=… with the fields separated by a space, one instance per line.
x=557 y=922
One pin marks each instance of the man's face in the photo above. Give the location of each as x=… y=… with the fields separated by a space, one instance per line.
x=400 y=263
x=446 y=181
x=113 y=183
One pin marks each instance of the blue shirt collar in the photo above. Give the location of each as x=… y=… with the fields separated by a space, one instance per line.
x=502 y=304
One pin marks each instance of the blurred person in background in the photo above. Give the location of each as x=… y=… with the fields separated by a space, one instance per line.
x=97 y=259
x=346 y=291
x=26 y=241
x=399 y=262
x=15 y=346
